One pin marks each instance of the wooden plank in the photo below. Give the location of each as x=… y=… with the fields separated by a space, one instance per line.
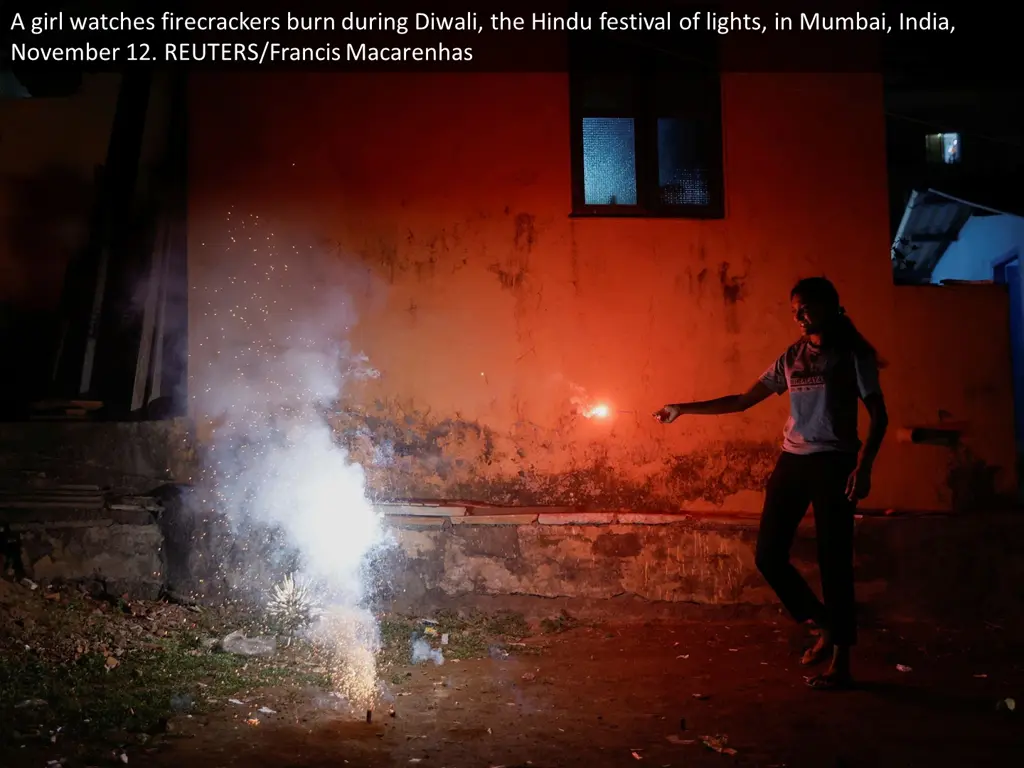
x=147 y=338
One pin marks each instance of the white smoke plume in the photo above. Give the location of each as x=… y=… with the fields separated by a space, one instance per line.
x=273 y=364
x=421 y=651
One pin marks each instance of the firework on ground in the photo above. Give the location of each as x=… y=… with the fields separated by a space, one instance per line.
x=349 y=638
x=275 y=363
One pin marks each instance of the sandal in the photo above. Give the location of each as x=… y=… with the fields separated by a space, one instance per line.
x=831 y=681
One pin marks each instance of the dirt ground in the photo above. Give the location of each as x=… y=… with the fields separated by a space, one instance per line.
x=618 y=695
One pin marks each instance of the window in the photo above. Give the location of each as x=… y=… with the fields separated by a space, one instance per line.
x=646 y=130
x=943 y=148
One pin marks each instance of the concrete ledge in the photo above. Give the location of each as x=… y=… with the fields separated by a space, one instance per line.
x=495 y=520
x=577 y=518
x=425 y=515
x=417 y=521
x=421 y=509
x=920 y=566
x=640 y=518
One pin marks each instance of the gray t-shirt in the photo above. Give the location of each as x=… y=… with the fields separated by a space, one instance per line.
x=824 y=387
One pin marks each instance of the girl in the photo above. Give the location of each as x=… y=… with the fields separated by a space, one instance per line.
x=822 y=463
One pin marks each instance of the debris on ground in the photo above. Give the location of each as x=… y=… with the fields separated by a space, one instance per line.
x=718 y=743
x=30 y=704
x=589 y=702
x=673 y=739
x=563 y=622
x=132 y=664
x=241 y=645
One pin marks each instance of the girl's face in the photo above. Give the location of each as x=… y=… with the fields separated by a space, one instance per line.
x=809 y=315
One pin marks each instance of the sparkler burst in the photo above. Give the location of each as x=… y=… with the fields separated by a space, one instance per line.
x=296 y=504
x=294 y=604
x=587 y=406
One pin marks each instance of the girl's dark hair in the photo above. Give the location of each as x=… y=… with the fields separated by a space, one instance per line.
x=821 y=291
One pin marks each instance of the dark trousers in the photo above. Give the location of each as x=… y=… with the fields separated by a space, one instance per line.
x=817 y=479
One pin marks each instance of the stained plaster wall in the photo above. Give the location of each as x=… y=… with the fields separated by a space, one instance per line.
x=491 y=315
x=620 y=566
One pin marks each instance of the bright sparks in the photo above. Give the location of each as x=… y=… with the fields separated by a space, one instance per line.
x=297 y=505
x=599 y=411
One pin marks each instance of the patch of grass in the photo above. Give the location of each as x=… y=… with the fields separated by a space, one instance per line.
x=396 y=635
x=85 y=697
x=509 y=625
x=109 y=668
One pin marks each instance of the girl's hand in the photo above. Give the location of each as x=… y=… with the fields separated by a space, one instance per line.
x=859 y=484
x=668 y=414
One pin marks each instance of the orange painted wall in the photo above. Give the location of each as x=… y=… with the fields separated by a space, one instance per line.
x=486 y=309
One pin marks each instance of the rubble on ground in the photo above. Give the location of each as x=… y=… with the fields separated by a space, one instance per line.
x=86 y=622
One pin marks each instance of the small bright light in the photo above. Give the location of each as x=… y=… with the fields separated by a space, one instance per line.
x=597 y=411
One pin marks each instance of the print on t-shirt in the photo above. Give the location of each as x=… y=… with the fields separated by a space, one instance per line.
x=824 y=386
x=807 y=373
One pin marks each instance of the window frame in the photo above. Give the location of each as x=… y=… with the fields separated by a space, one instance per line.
x=707 y=110
x=940 y=159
